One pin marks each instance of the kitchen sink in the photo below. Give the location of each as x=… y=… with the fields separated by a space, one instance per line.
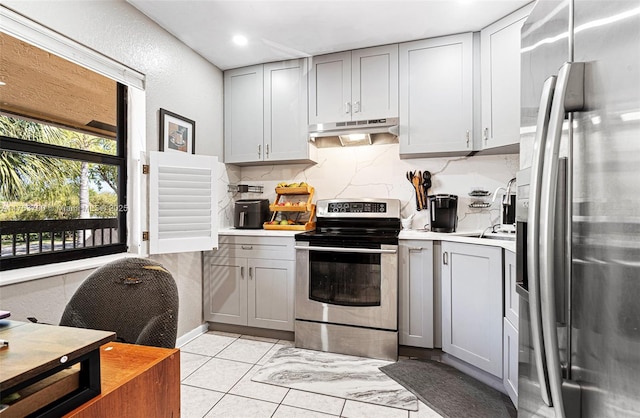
x=506 y=236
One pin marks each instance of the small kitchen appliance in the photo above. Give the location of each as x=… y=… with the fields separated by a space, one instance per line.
x=347 y=279
x=250 y=213
x=444 y=212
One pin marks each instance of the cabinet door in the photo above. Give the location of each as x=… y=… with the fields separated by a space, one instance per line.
x=416 y=300
x=243 y=115
x=436 y=105
x=472 y=304
x=271 y=294
x=374 y=87
x=510 y=361
x=225 y=290
x=511 y=299
x=285 y=108
x=500 y=75
x=330 y=88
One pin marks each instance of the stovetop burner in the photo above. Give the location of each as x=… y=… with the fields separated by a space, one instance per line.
x=353 y=222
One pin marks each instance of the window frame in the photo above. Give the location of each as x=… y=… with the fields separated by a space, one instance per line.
x=119 y=160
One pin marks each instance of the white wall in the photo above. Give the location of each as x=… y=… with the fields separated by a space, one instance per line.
x=378 y=171
x=177 y=79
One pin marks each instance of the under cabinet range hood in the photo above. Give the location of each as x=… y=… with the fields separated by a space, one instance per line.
x=370 y=126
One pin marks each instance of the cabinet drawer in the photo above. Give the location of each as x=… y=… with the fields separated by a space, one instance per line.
x=276 y=248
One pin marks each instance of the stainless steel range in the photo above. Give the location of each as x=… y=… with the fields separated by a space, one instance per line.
x=347 y=279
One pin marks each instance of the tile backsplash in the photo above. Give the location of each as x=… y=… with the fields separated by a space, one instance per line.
x=377 y=171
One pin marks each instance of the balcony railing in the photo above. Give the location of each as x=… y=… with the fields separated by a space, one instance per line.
x=26 y=239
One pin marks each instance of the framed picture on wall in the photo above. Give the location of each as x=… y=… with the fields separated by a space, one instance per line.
x=177 y=133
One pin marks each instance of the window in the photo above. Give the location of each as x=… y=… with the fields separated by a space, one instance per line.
x=63 y=159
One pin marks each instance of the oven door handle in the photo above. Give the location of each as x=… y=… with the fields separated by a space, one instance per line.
x=347 y=250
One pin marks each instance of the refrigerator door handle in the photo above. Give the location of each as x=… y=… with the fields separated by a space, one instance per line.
x=568 y=97
x=533 y=235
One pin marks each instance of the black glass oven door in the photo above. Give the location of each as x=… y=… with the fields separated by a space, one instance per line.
x=345 y=278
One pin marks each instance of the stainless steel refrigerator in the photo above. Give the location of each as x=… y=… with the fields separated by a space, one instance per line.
x=578 y=210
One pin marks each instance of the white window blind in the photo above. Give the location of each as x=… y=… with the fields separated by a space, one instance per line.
x=182 y=203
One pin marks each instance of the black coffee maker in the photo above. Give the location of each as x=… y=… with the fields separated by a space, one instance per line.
x=444 y=212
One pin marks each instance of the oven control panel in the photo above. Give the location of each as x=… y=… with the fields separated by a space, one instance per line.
x=358 y=207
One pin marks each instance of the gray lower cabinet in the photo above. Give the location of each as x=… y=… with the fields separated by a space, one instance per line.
x=416 y=301
x=472 y=299
x=250 y=281
x=510 y=342
x=510 y=361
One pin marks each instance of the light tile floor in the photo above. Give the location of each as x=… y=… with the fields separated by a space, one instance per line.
x=216 y=370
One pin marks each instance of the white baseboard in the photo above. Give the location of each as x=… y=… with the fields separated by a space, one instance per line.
x=192 y=334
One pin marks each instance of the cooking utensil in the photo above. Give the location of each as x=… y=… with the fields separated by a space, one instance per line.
x=426 y=179
x=426 y=185
x=415 y=180
x=410 y=176
x=421 y=187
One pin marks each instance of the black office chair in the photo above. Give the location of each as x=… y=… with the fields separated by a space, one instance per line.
x=134 y=297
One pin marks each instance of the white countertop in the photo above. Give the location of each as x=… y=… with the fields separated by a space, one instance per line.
x=468 y=237
x=257 y=232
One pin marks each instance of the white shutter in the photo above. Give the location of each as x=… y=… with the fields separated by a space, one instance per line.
x=182 y=203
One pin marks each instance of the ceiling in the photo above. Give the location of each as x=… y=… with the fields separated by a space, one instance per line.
x=279 y=30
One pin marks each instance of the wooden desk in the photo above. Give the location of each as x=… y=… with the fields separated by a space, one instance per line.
x=137 y=381
x=134 y=380
x=37 y=351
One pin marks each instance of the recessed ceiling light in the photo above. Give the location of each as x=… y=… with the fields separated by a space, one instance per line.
x=2 y=83
x=240 y=40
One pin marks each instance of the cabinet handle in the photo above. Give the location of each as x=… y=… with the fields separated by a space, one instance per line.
x=242 y=272
x=250 y=273
x=347 y=107
x=415 y=248
x=468 y=138
x=259 y=150
x=247 y=247
x=485 y=134
x=445 y=258
x=266 y=151
x=356 y=107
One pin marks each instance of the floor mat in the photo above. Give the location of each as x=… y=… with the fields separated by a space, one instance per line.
x=349 y=377
x=448 y=391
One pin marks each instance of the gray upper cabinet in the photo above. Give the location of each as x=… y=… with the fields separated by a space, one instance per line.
x=436 y=96
x=266 y=114
x=330 y=88
x=354 y=85
x=500 y=82
x=243 y=114
x=285 y=110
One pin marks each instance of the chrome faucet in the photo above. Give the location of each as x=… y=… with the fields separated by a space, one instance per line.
x=506 y=199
